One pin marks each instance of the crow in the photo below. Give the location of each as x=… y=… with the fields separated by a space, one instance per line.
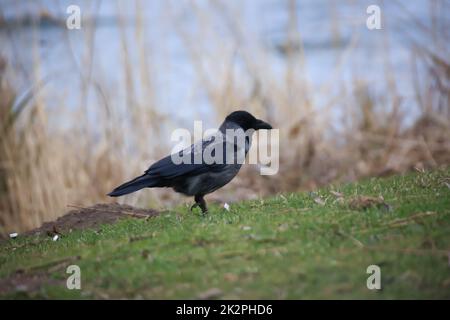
x=198 y=178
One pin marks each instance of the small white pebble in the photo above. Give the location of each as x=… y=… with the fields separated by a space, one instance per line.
x=13 y=235
x=246 y=228
x=55 y=237
x=226 y=206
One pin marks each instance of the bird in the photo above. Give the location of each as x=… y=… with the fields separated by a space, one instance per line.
x=196 y=178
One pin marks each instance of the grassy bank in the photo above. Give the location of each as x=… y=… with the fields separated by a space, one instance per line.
x=305 y=245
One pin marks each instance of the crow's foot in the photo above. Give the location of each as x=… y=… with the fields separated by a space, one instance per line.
x=200 y=202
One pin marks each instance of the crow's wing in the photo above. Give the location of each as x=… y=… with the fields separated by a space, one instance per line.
x=167 y=169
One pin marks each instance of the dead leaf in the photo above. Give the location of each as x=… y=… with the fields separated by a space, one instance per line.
x=230 y=277
x=365 y=202
x=319 y=201
x=212 y=293
x=337 y=194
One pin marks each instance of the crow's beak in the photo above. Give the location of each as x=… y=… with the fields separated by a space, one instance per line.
x=262 y=125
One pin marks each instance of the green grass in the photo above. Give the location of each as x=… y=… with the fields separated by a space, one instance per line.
x=285 y=247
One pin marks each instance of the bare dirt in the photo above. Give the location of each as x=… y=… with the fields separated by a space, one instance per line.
x=92 y=218
x=25 y=282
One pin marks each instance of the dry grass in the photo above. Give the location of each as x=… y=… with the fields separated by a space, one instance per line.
x=45 y=168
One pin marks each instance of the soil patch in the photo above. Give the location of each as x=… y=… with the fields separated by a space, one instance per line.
x=92 y=218
x=25 y=282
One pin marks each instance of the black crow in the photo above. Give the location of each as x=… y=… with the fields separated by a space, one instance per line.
x=194 y=178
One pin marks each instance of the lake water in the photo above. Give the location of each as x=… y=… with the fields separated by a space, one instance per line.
x=327 y=29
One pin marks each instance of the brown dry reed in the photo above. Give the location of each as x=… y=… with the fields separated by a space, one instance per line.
x=44 y=168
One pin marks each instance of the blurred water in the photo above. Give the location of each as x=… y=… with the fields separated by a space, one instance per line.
x=326 y=27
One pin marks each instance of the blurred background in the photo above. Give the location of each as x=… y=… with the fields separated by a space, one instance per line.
x=83 y=110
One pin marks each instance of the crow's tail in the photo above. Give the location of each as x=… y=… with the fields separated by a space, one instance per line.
x=136 y=184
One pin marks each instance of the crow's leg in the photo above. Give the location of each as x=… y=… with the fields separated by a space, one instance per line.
x=200 y=202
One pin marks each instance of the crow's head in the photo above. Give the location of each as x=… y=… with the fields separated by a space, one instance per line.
x=247 y=121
